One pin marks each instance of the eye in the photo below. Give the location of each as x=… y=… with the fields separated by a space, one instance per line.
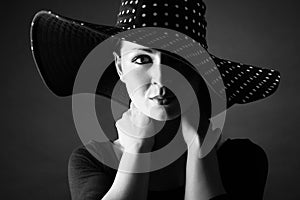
x=142 y=59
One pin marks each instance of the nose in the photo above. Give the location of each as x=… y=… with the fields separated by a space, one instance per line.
x=159 y=75
x=159 y=78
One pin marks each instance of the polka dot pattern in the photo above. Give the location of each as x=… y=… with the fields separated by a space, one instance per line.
x=243 y=83
x=186 y=12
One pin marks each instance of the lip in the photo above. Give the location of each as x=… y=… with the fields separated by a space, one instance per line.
x=162 y=97
x=163 y=100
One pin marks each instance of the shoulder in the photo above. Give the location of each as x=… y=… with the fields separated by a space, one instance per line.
x=243 y=167
x=245 y=145
x=88 y=176
x=93 y=154
x=83 y=156
x=242 y=149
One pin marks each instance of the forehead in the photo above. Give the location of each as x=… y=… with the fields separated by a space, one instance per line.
x=127 y=47
x=167 y=57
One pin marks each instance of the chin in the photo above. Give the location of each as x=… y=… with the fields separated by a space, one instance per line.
x=158 y=112
x=162 y=113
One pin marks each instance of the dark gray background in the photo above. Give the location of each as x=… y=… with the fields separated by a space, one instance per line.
x=38 y=130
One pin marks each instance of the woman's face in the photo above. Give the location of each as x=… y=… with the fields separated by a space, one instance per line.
x=152 y=81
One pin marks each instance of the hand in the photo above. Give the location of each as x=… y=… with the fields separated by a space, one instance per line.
x=135 y=129
x=196 y=137
x=189 y=122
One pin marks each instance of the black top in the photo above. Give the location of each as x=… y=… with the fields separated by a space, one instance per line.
x=243 y=167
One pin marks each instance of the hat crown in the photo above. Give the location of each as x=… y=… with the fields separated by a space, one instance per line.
x=186 y=16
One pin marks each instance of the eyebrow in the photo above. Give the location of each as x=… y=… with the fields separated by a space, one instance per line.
x=145 y=49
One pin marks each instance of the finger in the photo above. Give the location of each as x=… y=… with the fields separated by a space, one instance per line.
x=132 y=105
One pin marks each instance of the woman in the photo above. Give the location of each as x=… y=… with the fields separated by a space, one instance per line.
x=235 y=169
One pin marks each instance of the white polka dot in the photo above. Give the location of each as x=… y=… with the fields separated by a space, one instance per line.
x=166 y=14
x=177 y=15
x=185 y=8
x=133 y=10
x=166 y=4
x=177 y=25
x=166 y=23
x=270 y=74
x=186 y=17
x=144 y=24
x=129 y=20
x=155 y=4
x=155 y=14
x=144 y=6
x=176 y=6
x=155 y=23
x=194 y=11
x=143 y=15
x=186 y=27
x=127 y=11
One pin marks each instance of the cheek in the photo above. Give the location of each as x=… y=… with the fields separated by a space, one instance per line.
x=136 y=81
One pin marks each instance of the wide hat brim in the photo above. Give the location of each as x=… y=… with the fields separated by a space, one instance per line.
x=60 y=44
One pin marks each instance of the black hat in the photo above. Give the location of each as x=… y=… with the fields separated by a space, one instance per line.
x=60 y=44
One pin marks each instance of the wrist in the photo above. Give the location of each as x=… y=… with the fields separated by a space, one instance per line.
x=139 y=147
x=194 y=148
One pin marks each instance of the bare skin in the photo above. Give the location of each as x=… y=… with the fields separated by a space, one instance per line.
x=142 y=73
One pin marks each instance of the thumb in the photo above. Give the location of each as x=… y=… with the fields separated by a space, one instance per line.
x=138 y=118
